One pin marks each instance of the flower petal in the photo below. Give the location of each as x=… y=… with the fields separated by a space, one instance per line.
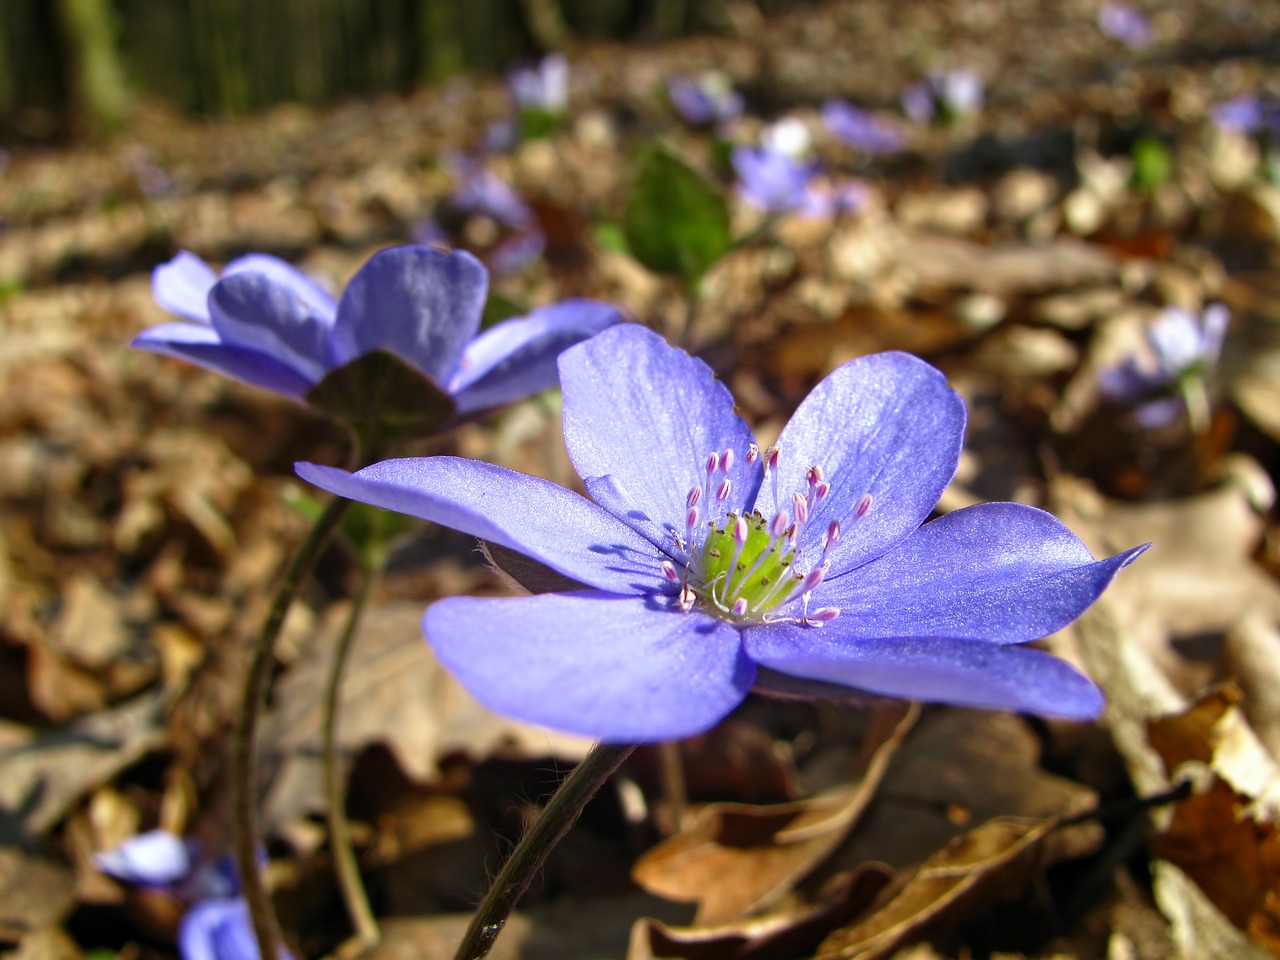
x=218 y=930
x=647 y=414
x=967 y=673
x=517 y=358
x=200 y=345
x=420 y=303
x=887 y=426
x=254 y=311
x=182 y=286
x=1005 y=572
x=620 y=669
x=530 y=515
x=316 y=298
x=155 y=858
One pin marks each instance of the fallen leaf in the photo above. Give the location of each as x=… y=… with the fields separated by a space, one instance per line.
x=971 y=868
x=736 y=859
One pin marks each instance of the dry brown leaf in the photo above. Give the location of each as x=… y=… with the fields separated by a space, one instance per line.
x=394 y=692
x=971 y=868
x=43 y=774
x=1224 y=836
x=737 y=859
x=34 y=893
x=777 y=935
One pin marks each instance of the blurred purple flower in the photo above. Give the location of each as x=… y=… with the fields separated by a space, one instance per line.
x=154 y=859
x=481 y=191
x=265 y=323
x=1179 y=345
x=772 y=180
x=945 y=95
x=705 y=98
x=166 y=861
x=218 y=930
x=1248 y=114
x=708 y=566
x=1130 y=26
x=860 y=129
x=1178 y=342
x=543 y=88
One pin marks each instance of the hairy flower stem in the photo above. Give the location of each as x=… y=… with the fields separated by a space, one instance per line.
x=531 y=852
x=345 y=864
x=243 y=744
x=673 y=784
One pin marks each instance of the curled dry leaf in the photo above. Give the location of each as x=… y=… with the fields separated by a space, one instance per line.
x=971 y=869
x=736 y=859
x=1225 y=836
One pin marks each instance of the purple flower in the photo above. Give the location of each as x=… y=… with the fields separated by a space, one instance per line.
x=166 y=861
x=1119 y=21
x=860 y=129
x=1247 y=114
x=1180 y=345
x=944 y=94
x=218 y=930
x=482 y=193
x=706 y=98
x=543 y=88
x=154 y=859
x=772 y=180
x=708 y=566
x=266 y=324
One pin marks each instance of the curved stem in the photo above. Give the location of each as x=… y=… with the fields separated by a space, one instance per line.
x=531 y=852
x=344 y=855
x=243 y=744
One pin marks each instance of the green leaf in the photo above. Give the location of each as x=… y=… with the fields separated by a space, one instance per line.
x=676 y=221
x=1152 y=163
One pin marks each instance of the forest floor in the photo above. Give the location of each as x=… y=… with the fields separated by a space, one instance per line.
x=147 y=507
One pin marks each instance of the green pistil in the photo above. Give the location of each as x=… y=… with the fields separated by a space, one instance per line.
x=751 y=578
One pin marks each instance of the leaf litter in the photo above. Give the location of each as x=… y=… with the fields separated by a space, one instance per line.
x=142 y=522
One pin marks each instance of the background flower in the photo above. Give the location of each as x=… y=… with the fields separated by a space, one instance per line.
x=1130 y=26
x=859 y=128
x=705 y=98
x=704 y=559
x=265 y=323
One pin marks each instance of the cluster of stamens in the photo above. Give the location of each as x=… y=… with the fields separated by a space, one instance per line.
x=747 y=567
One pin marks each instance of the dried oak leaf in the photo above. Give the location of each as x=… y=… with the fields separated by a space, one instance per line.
x=971 y=868
x=1225 y=836
x=737 y=859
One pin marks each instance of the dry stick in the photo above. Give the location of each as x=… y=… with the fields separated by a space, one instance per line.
x=243 y=744
x=344 y=855
x=531 y=852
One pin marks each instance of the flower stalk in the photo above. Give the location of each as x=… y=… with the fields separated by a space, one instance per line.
x=345 y=864
x=560 y=813
x=244 y=745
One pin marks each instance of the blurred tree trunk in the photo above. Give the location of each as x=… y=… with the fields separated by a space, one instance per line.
x=101 y=99
x=545 y=21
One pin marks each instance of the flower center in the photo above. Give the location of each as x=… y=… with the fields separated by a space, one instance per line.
x=749 y=568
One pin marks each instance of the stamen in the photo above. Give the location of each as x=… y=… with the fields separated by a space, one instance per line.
x=832 y=536
x=822 y=615
x=801 y=505
x=686 y=598
x=778 y=526
x=695 y=494
x=815 y=577
x=669 y=571
x=739 y=607
x=722 y=492
x=726 y=461
x=753 y=453
x=821 y=491
x=713 y=462
x=863 y=506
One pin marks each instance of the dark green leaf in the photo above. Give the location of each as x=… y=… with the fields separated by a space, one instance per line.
x=677 y=222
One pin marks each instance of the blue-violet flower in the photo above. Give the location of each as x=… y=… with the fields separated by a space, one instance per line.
x=860 y=129
x=1183 y=348
x=543 y=88
x=1130 y=26
x=267 y=324
x=709 y=565
x=705 y=98
x=944 y=94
